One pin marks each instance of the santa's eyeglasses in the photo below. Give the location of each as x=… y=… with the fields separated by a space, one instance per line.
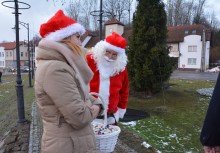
x=111 y=54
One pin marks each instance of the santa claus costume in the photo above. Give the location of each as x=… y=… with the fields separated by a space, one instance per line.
x=110 y=78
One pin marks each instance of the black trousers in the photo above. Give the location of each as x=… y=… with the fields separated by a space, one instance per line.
x=0 y=76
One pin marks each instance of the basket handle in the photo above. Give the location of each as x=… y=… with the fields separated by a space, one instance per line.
x=105 y=109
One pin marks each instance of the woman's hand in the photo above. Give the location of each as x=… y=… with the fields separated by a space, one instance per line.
x=209 y=149
x=95 y=109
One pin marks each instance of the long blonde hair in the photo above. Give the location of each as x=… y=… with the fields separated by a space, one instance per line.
x=73 y=47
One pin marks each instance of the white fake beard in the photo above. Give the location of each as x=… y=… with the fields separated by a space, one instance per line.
x=106 y=67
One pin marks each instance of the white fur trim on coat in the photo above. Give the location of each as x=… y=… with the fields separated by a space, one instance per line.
x=114 y=48
x=65 y=32
x=121 y=112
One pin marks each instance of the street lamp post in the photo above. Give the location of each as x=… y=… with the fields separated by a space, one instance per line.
x=100 y=21
x=33 y=53
x=19 y=86
x=101 y=15
x=26 y=25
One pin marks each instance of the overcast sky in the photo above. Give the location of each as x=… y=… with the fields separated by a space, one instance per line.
x=40 y=12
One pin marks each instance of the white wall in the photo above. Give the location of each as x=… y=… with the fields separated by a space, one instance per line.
x=114 y=28
x=2 y=57
x=191 y=40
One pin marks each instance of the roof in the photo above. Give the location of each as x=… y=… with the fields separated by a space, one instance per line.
x=9 y=45
x=93 y=41
x=177 y=33
x=87 y=33
x=113 y=21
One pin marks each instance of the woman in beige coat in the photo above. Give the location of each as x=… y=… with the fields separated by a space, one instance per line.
x=62 y=89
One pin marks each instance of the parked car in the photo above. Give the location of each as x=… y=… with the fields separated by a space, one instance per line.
x=11 y=69
x=24 y=68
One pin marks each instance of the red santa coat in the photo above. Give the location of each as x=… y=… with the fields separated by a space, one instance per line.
x=114 y=90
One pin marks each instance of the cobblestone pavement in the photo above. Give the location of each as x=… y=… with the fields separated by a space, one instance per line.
x=127 y=142
x=35 y=131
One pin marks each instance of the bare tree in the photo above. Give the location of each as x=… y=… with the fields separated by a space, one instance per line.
x=214 y=21
x=169 y=9
x=181 y=12
x=87 y=7
x=188 y=13
x=117 y=8
x=73 y=9
x=199 y=10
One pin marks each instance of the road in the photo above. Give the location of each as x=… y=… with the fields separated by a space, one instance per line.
x=192 y=75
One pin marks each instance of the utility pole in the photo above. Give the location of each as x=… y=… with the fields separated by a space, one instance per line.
x=203 y=51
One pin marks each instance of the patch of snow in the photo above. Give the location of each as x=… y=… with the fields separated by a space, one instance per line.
x=205 y=91
x=215 y=69
x=132 y=123
x=172 y=135
x=146 y=145
x=165 y=144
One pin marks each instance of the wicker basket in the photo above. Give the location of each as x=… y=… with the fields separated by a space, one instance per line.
x=105 y=143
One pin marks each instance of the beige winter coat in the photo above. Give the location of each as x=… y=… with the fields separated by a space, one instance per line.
x=63 y=104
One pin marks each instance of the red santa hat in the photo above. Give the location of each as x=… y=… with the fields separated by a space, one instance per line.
x=115 y=42
x=59 y=27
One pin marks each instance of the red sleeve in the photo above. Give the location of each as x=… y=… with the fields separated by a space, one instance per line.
x=94 y=83
x=124 y=92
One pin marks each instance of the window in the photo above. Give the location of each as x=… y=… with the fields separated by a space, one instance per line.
x=171 y=48
x=0 y=54
x=26 y=54
x=194 y=32
x=10 y=53
x=186 y=32
x=7 y=54
x=22 y=54
x=191 y=61
x=192 y=48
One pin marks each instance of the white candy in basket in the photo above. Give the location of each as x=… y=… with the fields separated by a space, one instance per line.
x=100 y=129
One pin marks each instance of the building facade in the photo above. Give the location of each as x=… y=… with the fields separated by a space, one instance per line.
x=10 y=56
x=189 y=44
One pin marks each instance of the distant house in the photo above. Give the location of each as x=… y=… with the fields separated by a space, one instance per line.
x=2 y=58
x=10 y=53
x=189 y=44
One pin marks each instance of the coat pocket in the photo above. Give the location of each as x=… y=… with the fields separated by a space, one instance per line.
x=84 y=144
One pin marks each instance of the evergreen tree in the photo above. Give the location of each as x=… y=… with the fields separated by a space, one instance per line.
x=149 y=65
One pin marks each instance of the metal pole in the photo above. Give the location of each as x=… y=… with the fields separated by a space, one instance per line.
x=129 y=23
x=203 y=51
x=33 y=52
x=29 y=61
x=19 y=86
x=100 y=21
